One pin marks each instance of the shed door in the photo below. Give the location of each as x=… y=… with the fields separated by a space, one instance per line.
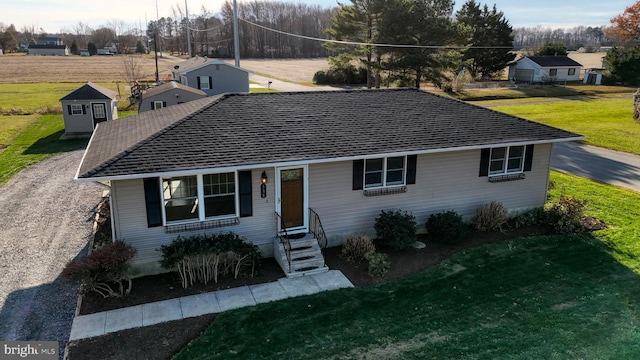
x=99 y=111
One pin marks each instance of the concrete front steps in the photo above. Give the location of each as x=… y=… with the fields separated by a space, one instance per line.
x=306 y=257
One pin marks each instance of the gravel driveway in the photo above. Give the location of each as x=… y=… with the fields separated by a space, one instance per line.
x=45 y=220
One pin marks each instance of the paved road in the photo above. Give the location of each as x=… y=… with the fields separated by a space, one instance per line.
x=608 y=166
x=287 y=86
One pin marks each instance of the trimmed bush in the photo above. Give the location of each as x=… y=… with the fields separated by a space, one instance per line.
x=378 y=264
x=490 y=217
x=104 y=270
x=531 y=217
x=357 y=247
x=205 y=257
x=396 y=229
x=446 y=227
x=566 y=215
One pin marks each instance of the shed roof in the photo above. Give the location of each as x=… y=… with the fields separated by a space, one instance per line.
x=550 y=61
x=91 y=91
x=170 y=86
x=236 y=130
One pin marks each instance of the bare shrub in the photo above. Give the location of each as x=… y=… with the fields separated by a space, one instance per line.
x=357 y=247
x=490 y=217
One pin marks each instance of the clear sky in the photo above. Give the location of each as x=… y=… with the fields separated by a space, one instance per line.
x=52 y=16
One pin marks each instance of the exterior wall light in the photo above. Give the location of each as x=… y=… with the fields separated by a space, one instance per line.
x=263 y=185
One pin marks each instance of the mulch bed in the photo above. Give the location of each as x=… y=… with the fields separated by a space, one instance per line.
x=164 y=340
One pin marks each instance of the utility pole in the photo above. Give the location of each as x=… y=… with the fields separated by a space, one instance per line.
x=236 y=36
x=158 y=47
x=188 y=30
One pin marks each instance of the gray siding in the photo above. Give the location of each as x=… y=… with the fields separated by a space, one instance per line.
x=83 y=124
x=170 y=98
x=225 y=78
x=131 y=222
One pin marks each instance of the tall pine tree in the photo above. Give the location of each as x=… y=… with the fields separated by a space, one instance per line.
x=492 y=39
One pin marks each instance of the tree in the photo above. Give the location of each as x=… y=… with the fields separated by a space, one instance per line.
x=102 y=37
x=9 y=39
x=492 y=34
x=74 y=48
x=552 y=49
x=132 y=68
x=140 y=48
x=625 y=27
x=428 y=25
x=359 y=22
x=623 y=66
x=92 y=48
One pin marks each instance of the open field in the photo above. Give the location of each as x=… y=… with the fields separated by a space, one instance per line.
x=295 y=70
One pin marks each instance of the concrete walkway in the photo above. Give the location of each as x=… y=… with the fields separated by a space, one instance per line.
x=604 y=165
x=86 y=326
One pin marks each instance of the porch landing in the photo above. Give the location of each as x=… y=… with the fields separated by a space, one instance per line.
x=86 y=326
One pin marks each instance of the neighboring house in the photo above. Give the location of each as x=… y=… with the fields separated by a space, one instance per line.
x=50 y=40
x=211 y=75
x=234 y=161
x=536 y=69
x=168 y=94
x=48 y=50
x=87 y=106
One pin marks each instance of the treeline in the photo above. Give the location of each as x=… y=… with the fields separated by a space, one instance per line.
x=586 y=37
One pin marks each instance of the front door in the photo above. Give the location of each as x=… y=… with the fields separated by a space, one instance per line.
x=292 y=199
x=99 y=111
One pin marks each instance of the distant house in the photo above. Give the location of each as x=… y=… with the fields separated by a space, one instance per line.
x=35 y=49
x=269 y=165
x=536 y=69
x=87 y=106
x=211 y=75
x=168 y=94
x=49 y=40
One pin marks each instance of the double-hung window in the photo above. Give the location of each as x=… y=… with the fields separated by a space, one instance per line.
x=205 y=83
x=76 y=109
x=572 y=71
x=553 y=72
x=184 y=195
x=158 y=105
x=506 y=160
x=383 y=172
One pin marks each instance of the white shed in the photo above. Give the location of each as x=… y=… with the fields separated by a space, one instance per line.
x=536 y=69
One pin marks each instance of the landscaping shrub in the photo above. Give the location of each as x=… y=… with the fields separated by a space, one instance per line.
x=378 y=264
x=566 y=215
x=447 y=227
x=490 y=217
x=531 y=217
x=357 y=247
x=396 y=229
x=205 y=257
x=103 y=269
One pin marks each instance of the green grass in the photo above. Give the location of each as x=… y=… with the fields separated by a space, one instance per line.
x=31 y=98
x=11 y=126
x=605 y=122
x=527 y=91
x=553 y=297
x=38 y=140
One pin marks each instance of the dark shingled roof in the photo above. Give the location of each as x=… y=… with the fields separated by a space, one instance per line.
x=262 y=128
x=91 y=91
x=548 y=61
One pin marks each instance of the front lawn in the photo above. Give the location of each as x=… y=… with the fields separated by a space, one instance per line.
x=551 y=297
x=605 y=122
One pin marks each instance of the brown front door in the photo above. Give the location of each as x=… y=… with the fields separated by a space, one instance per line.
x=292 y=197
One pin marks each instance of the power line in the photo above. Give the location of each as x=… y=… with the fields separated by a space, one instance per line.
x=373 y=44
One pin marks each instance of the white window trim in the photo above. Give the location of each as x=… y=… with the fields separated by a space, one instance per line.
x=569 y=72
x=76 y=108
x=384 y=174
x=206 y=78
x=505 y=164
x=200 y=200
x=155 y=105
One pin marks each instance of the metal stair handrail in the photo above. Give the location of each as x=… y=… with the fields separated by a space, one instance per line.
x=316 y=228
x=283 y=236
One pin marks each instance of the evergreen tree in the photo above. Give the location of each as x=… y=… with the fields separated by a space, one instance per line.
x=74 y=48
x=552 y=49
x=426 y=23
x=91 y=47
x=358 y=22
x=623 y=66
x=492 y=34
x=140 y=48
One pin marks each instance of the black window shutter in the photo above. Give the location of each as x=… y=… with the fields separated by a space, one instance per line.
x=485 y=155
x=84 y=110
x=411 y=169
x=358 y=174
x=69 y=109
x=164 y=104
x=210 y=83
x=198 y=82
x=153 y=105
x=244 y=189
x=153 y=201
x=528 y=158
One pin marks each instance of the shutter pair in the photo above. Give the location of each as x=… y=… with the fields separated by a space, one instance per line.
x=200 y=87
x=153 y=105
x=358 y=172
x=153 y=199
x=84 y=109
x=485 y=159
